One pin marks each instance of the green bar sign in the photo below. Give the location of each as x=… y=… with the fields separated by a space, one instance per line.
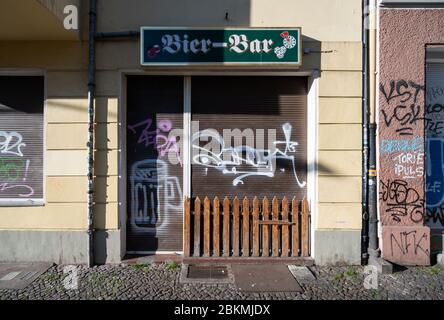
x=194 y=46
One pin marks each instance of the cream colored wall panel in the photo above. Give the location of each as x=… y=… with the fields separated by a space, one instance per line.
x=339 y=189
x=108 y=82
x=340 y=110
x=327 y=20
x=106 y=163
x=66 y=189
x=74 y=162
x=66 y=136
x=106 y=216
x=340 y=137
x=340 y=162
x=107 y=136
x=106 y=109
x=30 y=20
x=341 y=56
x=66 y=110
x=67 y=84
x=173 y=13
x=48 y=55
x=76 y=110
x=335 y=56
x=106 y=189
x=50 y=216
x=73 y=189
x=112 y=55
x=339 y=216
x=340 y=84
x=66 y=162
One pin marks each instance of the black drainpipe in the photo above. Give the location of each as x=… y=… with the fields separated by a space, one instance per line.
x=90 y=144
x=120 y=34
x=93 y=36
x=373 y=243
x=373 y=250
x=365 y=129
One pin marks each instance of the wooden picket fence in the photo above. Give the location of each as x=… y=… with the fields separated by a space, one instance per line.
x=232 y=229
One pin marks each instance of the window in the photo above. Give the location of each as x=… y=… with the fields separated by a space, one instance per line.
x=434 y=129
x=21 y=139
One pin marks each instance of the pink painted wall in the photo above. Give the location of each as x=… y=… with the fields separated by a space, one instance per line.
x=403 y=36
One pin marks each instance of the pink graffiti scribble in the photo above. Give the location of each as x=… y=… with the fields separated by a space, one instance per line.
x=165 y=125
x=158 y=137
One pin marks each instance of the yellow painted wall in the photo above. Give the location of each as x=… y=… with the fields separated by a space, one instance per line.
x=331 y=29
x=340 y=145
x=35 y=20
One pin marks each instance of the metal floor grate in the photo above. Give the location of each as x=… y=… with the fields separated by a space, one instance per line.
x=206 y=273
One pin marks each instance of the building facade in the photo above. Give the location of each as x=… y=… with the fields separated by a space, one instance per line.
x=310 y=114
x=410 y=73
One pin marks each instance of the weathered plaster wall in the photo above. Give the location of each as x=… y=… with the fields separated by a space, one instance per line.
x=404 y=33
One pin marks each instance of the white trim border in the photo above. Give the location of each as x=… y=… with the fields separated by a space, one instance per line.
x=28 y=202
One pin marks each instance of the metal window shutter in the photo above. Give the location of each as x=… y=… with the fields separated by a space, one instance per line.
x=435 y=83
x=244 y=103
x=154 y=191
x=21 y=137
x=435 y=148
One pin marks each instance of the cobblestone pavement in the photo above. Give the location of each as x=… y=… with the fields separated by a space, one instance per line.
x=161 y=281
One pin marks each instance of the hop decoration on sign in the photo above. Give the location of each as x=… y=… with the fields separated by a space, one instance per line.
x=280 y=52
x=289 y=43
x=152 y=52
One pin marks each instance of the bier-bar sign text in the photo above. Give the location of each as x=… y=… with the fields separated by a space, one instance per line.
x=194 y=46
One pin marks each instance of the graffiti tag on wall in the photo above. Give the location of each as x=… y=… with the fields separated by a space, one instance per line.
x=402 y=169
x=154 y=193
x=402 y=201
x=244 y=161
x=411 y=245
x=402 y=153
x=14 y=167
x=158 y=138
x=404 y=115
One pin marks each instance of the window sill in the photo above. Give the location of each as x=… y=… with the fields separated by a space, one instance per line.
x=21 y=202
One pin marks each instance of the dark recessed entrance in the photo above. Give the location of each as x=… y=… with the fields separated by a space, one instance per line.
x=247 y=137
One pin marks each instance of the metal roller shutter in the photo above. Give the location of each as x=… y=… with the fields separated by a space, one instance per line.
x=154 y=168
x=21 y=137
x=270 y=115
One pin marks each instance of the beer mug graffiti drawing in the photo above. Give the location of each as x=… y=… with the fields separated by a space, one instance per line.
x=153 y=194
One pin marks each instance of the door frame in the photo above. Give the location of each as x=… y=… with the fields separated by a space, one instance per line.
x=312 y=137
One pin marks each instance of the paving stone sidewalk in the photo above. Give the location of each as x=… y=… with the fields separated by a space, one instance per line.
x=161 y=281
